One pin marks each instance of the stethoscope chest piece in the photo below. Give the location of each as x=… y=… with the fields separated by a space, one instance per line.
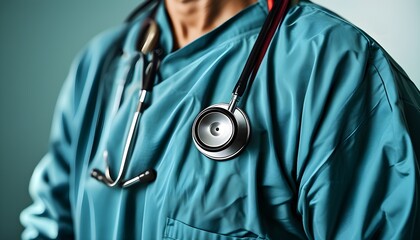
x=220 y=134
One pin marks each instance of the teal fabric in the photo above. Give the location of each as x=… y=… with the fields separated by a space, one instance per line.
x=333 y=153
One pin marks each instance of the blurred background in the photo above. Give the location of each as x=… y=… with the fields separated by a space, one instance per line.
x=38 y=40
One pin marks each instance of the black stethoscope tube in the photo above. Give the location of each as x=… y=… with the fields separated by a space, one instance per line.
x=273 y=20
x=227 y=144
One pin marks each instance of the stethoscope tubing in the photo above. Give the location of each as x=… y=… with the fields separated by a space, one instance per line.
x=248 y=74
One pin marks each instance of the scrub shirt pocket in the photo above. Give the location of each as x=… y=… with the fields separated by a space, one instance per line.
x=176 y=230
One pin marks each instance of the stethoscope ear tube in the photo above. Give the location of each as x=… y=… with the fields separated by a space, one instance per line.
x=149 y=36
x=106 y=178
x=149 y=74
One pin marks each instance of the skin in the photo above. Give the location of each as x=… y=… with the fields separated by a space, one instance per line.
x=190 y=19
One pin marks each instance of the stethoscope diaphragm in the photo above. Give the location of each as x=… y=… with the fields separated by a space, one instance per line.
x=220 y=134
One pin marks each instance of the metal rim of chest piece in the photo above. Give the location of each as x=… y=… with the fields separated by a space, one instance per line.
x=220 y=134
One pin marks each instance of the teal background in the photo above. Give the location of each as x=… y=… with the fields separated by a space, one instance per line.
x=38 y=40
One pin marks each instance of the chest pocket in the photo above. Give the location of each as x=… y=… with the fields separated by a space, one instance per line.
x=176 y=230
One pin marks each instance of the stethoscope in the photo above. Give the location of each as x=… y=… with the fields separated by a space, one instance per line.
x=220 y=131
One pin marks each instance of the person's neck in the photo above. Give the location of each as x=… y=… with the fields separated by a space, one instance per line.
x=191 y=19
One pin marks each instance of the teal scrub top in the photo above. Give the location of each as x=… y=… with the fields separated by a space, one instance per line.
x=333 y=153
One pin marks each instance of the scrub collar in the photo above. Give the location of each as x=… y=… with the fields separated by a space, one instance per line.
x=248 y=19
x=247 y=22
